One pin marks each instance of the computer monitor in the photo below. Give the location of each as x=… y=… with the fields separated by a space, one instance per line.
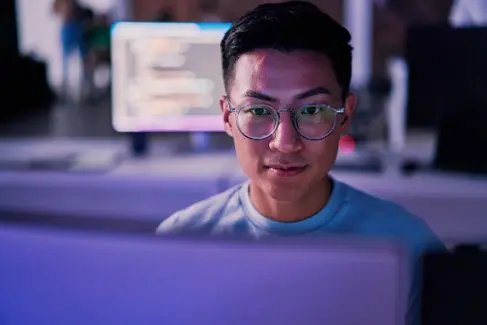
x=455 y=286
x=67 y=277
x=167 y=76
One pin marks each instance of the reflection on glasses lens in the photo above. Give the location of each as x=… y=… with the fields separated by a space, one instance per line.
x=315 y=122
x=257 y=121
x=312 y=121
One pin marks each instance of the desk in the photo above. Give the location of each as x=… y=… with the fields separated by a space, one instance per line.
x=149 y=189
x=152 y=188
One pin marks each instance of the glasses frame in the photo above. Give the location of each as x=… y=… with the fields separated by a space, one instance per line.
x=336 y=111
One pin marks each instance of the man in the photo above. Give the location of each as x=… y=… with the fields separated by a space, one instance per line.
x=287 y=71
x=76 y=19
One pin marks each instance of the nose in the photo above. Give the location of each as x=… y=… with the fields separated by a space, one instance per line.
x=286 y=139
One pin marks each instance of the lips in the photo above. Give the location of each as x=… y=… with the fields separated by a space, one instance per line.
x=285 y=170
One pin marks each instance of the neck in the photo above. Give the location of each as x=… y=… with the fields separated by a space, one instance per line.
x=299 y=208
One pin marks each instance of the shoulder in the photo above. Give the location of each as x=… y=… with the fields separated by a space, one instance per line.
x=381 y=216
x=201 y=216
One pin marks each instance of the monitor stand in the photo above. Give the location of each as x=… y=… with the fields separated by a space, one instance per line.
x=139 y=144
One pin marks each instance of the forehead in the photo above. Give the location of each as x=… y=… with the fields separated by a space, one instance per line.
x=283 y=74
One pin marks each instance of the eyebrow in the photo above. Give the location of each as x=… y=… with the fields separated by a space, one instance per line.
x=309 y=93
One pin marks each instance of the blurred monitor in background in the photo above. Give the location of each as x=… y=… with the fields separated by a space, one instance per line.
x=167 y=76
x=448 y=78
x=9 y=33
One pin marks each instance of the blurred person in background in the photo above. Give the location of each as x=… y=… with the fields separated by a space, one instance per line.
x=98 y=41
x=287 y=69
x=165 y=14
x=209 y=12
x=75 y=23
x=465 y=13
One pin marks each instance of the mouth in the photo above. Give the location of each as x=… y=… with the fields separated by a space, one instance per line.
x=285 y=171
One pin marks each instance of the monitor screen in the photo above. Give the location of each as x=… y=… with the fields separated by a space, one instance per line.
x=167 y=76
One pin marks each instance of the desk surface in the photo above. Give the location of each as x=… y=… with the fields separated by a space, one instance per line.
x=152 y=188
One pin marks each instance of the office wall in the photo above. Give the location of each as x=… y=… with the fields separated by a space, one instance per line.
x=39 y=30
x=227 y=9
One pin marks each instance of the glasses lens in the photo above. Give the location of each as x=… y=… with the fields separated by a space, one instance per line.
x=257 y=121
x=315 y=122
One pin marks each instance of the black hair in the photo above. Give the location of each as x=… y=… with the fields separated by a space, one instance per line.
x=289 y=26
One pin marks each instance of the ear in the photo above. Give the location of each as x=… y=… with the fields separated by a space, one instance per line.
x=349 y=106
x=225 y=108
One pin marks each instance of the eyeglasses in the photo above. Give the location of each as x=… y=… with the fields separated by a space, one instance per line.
x=312 y=122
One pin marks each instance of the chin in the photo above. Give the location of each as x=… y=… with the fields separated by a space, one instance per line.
x=283 y=189
x=289 y=188
x=283 y=193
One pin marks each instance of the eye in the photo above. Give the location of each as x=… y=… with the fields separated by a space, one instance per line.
x=258 y=110
x=316 y=111
x=310 y=110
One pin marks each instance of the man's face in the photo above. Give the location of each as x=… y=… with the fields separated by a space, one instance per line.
x=280 y=80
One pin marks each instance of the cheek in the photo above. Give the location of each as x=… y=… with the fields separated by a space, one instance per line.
x=323 y=153
x=249 y=153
